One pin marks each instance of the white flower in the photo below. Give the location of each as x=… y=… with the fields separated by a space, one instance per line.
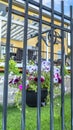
x=27 y=82
x=55 y=80
x=56 y=70
x=31 y=68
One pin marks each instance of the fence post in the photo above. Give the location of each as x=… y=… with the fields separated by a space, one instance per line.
x=62 y=67
x=23 y=121
x=5 y=93
x=47 y=46
x=71 y=35
x=51 y=71
x=39 y=69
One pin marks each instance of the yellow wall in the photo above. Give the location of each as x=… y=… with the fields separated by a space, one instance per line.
x=15 y=43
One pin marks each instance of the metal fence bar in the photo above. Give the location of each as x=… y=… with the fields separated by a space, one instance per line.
x=23 y=125
x=5 y=93
x=39 y=70
x=51 y=71
x=71 y=40
x=62 y=67
x=48 y=9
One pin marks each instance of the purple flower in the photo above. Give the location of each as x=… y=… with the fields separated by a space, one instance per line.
x=59 y=80
x=16 y=80
x=35 y=79
x=42 y=78
x=11 y=81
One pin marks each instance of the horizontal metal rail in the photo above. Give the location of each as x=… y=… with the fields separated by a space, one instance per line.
x=48 y=9
x=37 y=20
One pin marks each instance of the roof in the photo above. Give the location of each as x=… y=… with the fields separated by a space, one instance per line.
x=21 y=4
x=17 y=28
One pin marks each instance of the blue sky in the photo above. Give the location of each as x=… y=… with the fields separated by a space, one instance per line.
x=57 y=4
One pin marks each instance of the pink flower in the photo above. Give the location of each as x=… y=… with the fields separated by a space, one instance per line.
x=30 y=77
x=20 y=87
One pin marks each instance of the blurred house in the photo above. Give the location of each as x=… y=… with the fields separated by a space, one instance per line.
x=17 y=33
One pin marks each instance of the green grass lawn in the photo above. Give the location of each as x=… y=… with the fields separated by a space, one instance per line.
x=14 y=116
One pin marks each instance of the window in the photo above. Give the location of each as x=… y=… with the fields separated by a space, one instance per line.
x=59 y=54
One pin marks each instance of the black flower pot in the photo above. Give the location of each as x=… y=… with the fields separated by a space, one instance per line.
x=31 y=97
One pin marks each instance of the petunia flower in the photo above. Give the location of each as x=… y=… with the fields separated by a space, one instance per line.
x=20 y=87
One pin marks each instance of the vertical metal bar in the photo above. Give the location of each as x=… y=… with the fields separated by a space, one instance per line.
x=71 y=42
x=47 y=46
x=5 y=94
x=51 y=71
x=39 y=70
x=62 y=66
x=23 y=124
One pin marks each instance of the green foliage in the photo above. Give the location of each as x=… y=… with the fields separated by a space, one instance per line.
x=18 y=100
x=31 y=62
x=2 y=60
x=46 y=83
x=65 y=71
x=13 y=68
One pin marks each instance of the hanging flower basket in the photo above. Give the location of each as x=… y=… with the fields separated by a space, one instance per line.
x=32 y=83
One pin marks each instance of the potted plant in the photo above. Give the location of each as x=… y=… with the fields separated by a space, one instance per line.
x=32 y=82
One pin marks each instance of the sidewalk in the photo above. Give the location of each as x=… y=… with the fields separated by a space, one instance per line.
x=11 y=93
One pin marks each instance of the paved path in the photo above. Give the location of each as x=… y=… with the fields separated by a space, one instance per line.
x=11 y=93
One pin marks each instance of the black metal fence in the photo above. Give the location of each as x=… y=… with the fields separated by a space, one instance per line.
x=63 y=29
